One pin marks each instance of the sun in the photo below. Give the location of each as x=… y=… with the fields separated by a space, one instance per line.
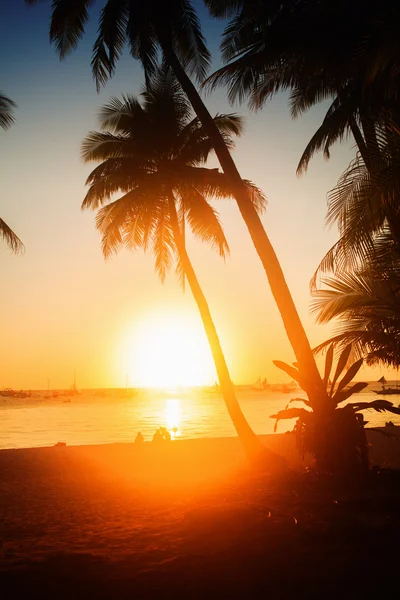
x=169 y=350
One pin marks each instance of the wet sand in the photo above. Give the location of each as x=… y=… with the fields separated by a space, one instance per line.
x=191 y=520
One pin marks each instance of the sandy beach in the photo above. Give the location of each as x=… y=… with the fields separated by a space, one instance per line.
x=189 y=520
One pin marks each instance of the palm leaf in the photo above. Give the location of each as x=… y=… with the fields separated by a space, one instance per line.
x=345 y=394
x=11 y=239
x=341 y=364
x=111 y=40
x=328 y=365
x=203 y=220
x=351 y=373
x=290 y=413
x=163 y=241
x=68 y=22
x=6 y=109
x=378 y=405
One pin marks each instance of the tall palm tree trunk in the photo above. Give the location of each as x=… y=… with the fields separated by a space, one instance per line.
x=356 y=131
x=291 y=320
x=247 y=436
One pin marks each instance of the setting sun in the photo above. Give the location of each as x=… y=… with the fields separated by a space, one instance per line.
x=169 y=351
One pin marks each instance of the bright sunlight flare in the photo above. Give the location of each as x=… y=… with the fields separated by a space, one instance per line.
x=169 y=350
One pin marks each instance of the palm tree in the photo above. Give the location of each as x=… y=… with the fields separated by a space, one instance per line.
x=273 y=46
x=365 y=206
x=6 y=120
x=367 y=307
x=172 y=29
x=337 y=440
x=153 y=152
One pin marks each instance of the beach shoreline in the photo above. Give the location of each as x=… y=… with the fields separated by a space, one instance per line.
x=188 y=519
x=384 y=446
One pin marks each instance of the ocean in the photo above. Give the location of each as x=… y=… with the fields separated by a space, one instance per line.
x=101 y=417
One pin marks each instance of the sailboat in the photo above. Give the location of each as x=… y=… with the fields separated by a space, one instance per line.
x=261 y=385
x=386 y=391
x=74 y=390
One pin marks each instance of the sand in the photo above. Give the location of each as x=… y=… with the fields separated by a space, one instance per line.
x=191 y=520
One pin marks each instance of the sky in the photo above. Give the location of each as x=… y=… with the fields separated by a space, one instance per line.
x=64 y=309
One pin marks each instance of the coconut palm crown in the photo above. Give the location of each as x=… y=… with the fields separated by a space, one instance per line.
x=152 y=152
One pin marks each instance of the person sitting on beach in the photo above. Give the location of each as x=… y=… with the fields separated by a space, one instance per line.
x=157 y=437
x=166 y=436
x=162 y=435
x=139 y=438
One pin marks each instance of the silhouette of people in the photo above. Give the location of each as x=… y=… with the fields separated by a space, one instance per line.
x=139 y=438
x=157 y=437
x=161 y=435
x=165 y=434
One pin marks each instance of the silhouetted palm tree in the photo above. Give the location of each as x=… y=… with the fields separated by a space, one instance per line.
x=364 y=292
x=366 y=305
x=6 y=120
x=152 y=152
x=274 y=46
x=171 y=31
x=365 y=205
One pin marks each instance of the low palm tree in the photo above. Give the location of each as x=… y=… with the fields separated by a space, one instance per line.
x=171 y=31
x=6 y=120
x=336 y=436
x=152 y=152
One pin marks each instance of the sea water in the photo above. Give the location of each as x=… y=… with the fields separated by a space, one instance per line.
x=101 y=417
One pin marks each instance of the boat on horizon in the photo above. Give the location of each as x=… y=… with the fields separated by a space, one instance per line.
x=261 y=385
x=387 y=391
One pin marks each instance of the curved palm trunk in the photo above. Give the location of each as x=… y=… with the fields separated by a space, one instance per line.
x=356 y=131
x=247 y=436
x=279 y=287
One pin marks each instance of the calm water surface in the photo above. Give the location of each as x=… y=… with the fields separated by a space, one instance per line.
x=93 y=419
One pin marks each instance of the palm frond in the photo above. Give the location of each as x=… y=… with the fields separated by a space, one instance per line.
x=163 y=241
x=193 y=143
x=67 y=26
x=127 y=221
x=6 y=111
x=101 y=146
x=11 y=239
x=111 y=40
x=335 y=127
x=224 y=8
x=120 y=115
x=188 y=40
x=203 y=220
x=112 y=176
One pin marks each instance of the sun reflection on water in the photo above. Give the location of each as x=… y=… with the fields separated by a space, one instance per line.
x=172 y=413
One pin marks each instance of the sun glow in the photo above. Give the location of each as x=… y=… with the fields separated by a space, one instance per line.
x=169 y=351
x=173 y=416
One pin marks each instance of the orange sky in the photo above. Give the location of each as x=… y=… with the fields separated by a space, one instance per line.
x=62 y=307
